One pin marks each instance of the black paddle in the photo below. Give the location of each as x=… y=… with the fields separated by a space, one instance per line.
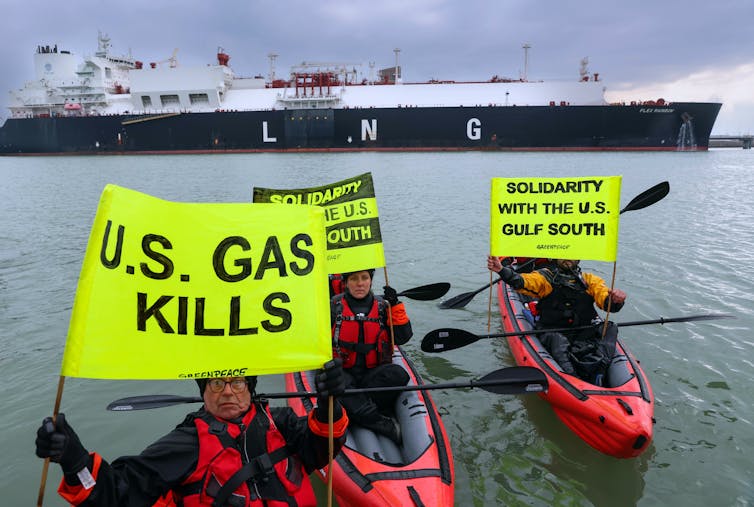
x=644 y=199
x=427 y=292
x=462 y=300
x=441 y=340
x=648 y=197
x=512 y=380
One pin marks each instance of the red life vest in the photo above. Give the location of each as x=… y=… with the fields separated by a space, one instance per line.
x=337 y=285
x=272 y=477
x=361 y=334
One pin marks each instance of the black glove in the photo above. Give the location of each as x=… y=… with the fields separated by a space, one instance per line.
x=391 y=296
x=329 y=381
x=60 y=443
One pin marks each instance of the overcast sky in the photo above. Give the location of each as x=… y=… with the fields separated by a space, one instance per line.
x=692 y=50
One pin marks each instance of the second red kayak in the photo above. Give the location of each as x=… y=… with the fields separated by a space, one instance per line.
x=616 y=418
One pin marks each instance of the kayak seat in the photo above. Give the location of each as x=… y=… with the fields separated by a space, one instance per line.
x=410 y=412
x=544 y=353
x=618 y=372
x=526 y=320
x=377 y=447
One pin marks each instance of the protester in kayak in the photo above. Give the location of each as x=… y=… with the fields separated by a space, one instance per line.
x=566 y=298
x=365 y=327
x=234 y=451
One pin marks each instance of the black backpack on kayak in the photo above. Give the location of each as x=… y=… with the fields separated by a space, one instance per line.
x=591 y=356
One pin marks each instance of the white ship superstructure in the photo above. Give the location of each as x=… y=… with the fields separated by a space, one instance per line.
x=104 y=84
x=67 y=85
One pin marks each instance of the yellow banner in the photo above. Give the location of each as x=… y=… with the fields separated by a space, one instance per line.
x=354 y=239
x=557 y=218
x=183 y=290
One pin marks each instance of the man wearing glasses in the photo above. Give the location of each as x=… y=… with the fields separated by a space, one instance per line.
x=234 y=451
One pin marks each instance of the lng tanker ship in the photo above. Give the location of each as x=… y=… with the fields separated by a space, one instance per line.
x=106 y=104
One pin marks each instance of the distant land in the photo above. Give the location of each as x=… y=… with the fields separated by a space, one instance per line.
x=731 y=141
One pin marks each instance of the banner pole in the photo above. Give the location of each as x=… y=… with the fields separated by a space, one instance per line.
x=489 y=305
x=46 y=466
x=609 y=300
x=330 y=448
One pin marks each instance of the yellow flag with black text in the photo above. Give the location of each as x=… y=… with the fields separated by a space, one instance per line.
x=557 y=218
x=354 y=239
x=174 y=290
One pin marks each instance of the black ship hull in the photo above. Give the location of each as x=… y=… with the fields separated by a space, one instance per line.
x=670 y=127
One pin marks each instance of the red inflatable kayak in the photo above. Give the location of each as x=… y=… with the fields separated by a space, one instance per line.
x=371 y=470
x=616 y=418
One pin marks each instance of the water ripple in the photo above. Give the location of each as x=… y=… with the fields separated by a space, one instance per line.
x=689 y=254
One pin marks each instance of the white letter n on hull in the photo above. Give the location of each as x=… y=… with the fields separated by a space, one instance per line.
x=369 y=128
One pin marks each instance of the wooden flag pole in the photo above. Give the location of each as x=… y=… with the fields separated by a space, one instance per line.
x=46 y=466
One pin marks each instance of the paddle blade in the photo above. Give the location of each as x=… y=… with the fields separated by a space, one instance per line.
x=151 y=401
x=427 y=292
x=458 y=301
x=513 y=380
x=648 y=197
x=444 y=339
x=462 y=300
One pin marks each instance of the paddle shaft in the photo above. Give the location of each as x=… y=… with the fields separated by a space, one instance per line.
x=384 y=389
x=311 y=394
x=511 y=380
x=443 y=340
x=661 y=320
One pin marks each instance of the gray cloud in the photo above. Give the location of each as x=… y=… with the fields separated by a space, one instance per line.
x=631 y=44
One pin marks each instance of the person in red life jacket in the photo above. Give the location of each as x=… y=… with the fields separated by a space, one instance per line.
x=365 y=326
x=234 y=451
x=566 y=298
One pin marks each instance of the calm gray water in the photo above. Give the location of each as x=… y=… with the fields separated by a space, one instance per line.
x=691 y=253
